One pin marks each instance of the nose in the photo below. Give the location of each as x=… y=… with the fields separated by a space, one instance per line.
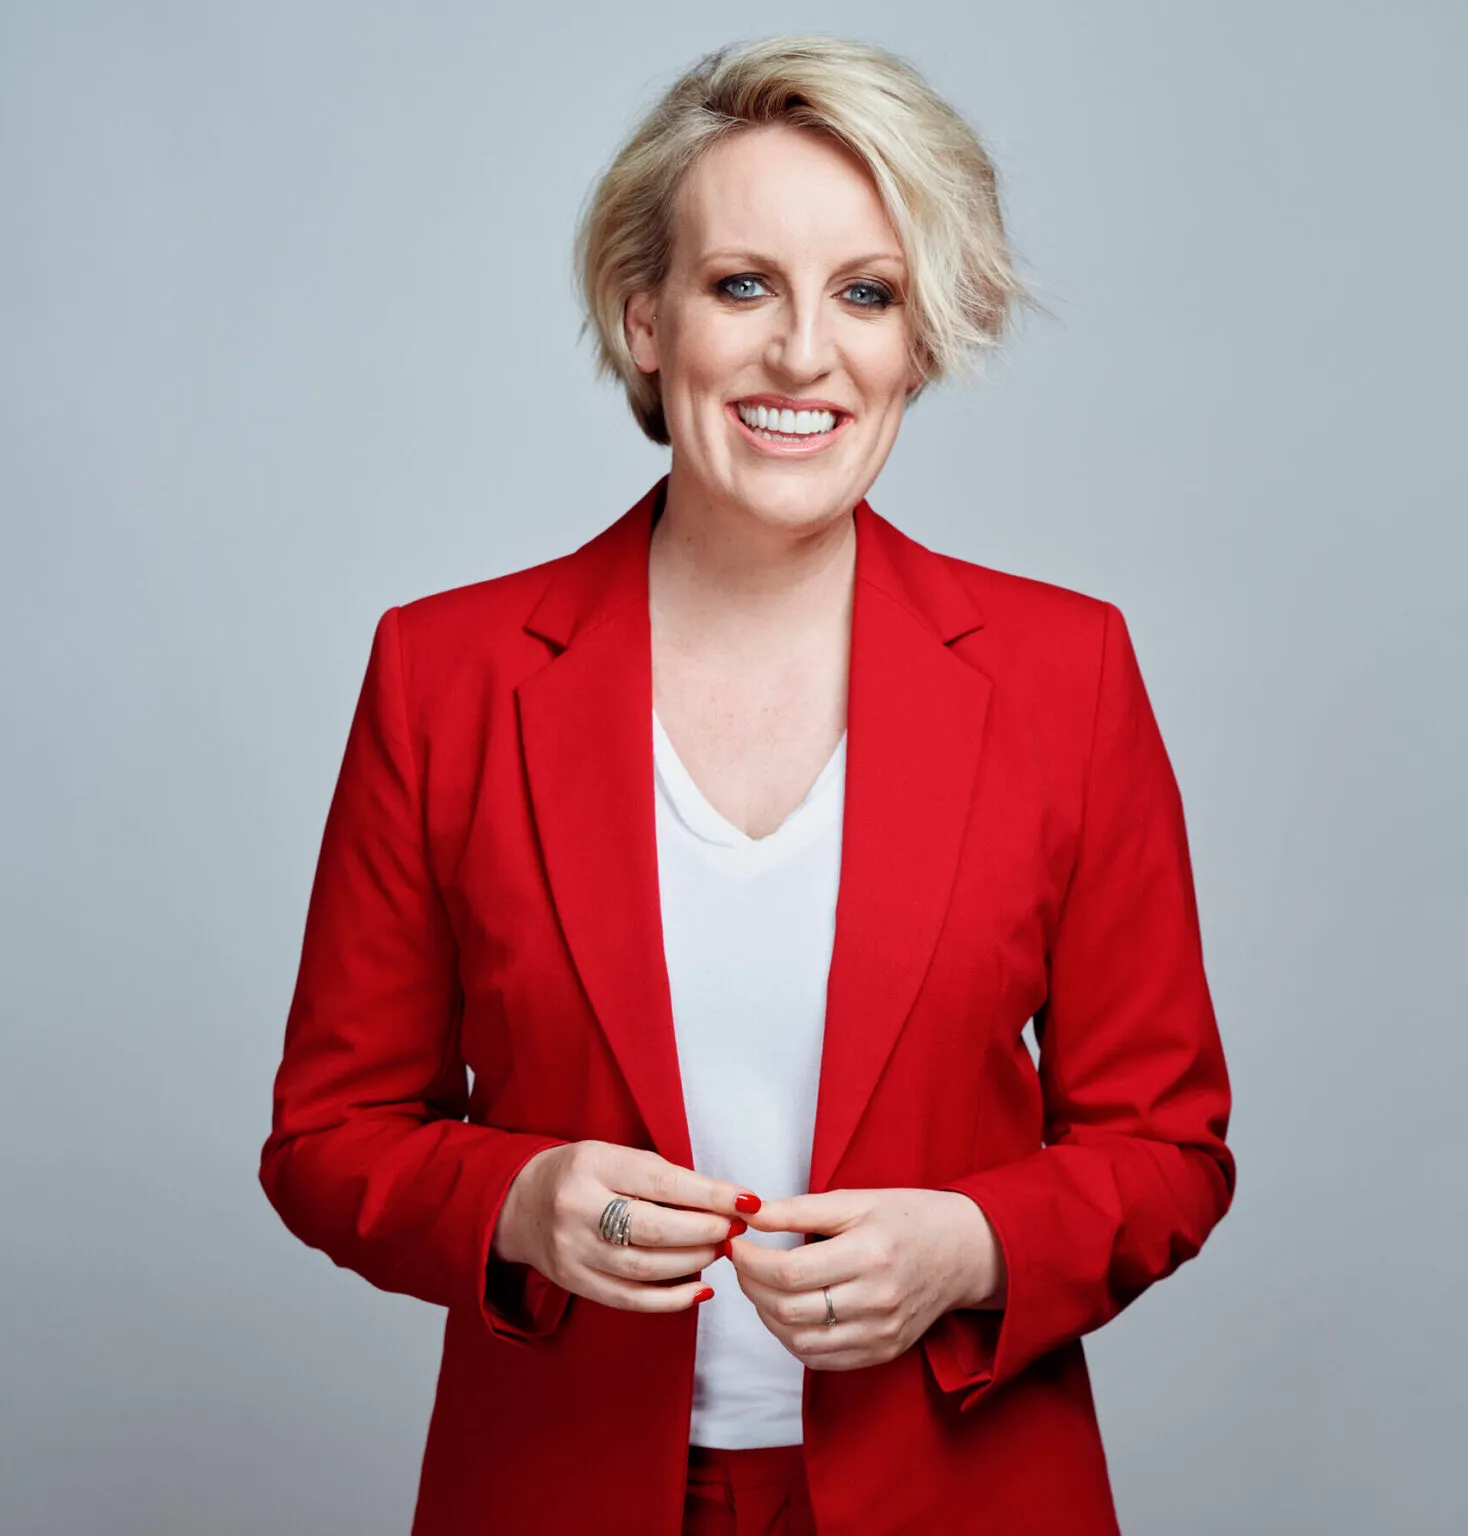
x=802 y=342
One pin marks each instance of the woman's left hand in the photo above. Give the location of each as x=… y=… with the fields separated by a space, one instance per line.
x=895 y=1260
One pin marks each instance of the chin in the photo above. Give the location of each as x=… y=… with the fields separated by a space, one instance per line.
x=808 y=503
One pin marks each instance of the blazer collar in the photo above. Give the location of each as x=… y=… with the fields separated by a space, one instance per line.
x=610 y=571
x=915 y=723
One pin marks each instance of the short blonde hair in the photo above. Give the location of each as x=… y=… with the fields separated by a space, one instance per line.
x=935 y=180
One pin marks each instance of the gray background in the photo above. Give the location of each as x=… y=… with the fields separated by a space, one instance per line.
x=287 y=336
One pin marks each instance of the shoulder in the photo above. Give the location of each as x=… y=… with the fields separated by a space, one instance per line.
x=1074 y=650
x=1035 y=626
x=473 y=630
x=958 y=593
x=1040 y=640
x=1023 y=604
x=451 y=660
x=489 y=609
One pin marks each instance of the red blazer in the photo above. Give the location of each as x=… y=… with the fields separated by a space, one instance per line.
x=486 y=899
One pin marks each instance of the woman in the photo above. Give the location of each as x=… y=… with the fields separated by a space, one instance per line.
x=732 y=853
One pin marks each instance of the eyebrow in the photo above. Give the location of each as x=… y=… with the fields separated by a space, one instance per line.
x=769 y=261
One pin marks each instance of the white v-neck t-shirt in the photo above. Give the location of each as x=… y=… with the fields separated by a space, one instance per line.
x=748 y=925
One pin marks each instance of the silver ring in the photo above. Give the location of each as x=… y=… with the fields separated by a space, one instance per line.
x=616 y=1222
x=830 y=1310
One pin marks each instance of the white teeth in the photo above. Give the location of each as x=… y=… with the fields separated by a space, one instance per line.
x=787 y=423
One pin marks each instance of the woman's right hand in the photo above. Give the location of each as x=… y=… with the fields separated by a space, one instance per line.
x=680 y=1220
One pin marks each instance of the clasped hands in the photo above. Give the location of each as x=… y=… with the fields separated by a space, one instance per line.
x=894 y=1259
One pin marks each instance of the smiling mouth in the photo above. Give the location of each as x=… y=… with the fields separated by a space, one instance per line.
x=789 y=427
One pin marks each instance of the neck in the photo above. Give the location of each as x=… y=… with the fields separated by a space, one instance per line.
x=721 y=568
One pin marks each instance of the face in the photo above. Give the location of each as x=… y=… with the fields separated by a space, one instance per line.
x=784 y=294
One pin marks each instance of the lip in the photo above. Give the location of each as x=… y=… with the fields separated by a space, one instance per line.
x=785 y=403
x=801 y=450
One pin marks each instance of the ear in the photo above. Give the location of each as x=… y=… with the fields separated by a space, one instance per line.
x=641 y=330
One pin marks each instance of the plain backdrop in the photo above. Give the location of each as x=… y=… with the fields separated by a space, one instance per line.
x=288 y=335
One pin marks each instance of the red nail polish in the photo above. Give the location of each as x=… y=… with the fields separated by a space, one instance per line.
x=706 y=1294
x=724 y=1251
x=738 y=1227
x=746 y=1202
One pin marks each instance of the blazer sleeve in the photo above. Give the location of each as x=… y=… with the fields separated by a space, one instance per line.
x=1134 y=1172
x=369 y=1157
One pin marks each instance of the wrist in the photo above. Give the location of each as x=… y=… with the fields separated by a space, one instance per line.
x=981 y=1276
x=502 y=1239
x=506 y=1241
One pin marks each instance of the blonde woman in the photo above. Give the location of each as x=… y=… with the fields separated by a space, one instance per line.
x=732 y=852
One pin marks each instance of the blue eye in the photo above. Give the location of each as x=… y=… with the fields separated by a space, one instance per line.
x=879 y=299
x=743 y=277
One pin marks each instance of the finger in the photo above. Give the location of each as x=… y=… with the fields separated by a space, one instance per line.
x=796 y=1306
x=663 y=1226
x=822 y=1350
x=798 y=1319
x=629 y=1296
x=763 y=1296
x=804 y=1268
x=650 y=1266
x=634 y=1171
x=829 y=1213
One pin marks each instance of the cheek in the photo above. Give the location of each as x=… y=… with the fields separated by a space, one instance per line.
x=709 y=350
x=882 y=365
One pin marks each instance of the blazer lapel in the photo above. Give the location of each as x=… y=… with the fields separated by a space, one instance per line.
x=915 y=727
x=586 y=730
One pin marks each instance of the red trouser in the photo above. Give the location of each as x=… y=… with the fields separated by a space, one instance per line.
x=756 y=1492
